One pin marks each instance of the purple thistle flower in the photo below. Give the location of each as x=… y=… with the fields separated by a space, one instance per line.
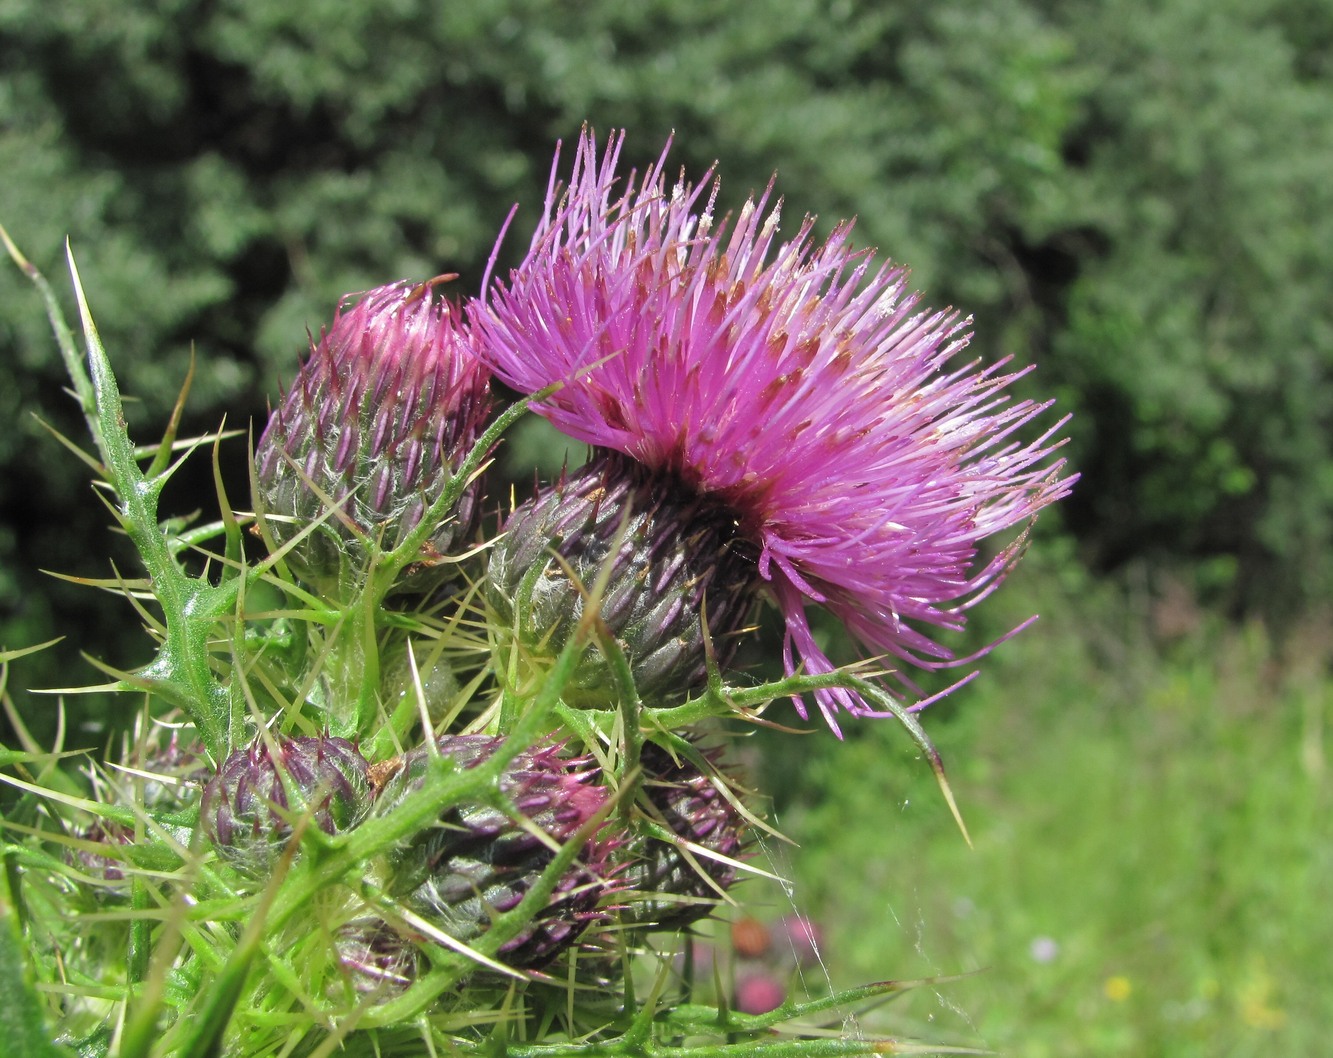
x=389 y=403
x=800 y=385
x=799 y=939
x=759 y=993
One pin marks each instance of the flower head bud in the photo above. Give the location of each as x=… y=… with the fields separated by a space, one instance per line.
x=380 y=416
x=480 y=861
x=248 y=807
x=375 y=957
x=167 y=779
x=174 y=774
x=672 y=556
x=88 y=856
x=672 y=884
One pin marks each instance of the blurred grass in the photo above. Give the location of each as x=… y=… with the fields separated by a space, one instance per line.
x=1147 y=794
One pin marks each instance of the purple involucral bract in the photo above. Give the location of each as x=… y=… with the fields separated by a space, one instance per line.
x=664 y=557
x=670 y=884
x=802 y=385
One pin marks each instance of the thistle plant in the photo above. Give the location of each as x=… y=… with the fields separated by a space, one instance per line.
x=407 y=779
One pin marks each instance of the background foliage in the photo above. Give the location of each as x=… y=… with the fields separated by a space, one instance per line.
x=1151 y=839
x=1135 y=200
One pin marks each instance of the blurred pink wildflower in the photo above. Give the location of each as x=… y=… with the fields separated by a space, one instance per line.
x=799 y=384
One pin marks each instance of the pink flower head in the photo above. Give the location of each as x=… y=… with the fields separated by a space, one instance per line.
x=388 y=404
x=800 y=384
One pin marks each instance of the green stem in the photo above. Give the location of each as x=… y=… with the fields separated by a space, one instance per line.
x=183 y=669
x=69 y=349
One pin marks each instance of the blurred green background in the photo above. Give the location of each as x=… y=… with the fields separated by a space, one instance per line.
x=1135 y=197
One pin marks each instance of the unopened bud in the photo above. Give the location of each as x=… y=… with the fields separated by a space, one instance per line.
x=376 y=423
x=670 y=884
x=248 y=807
x=479 y=862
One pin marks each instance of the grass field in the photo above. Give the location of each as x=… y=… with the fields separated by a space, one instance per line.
x=1152 y=870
